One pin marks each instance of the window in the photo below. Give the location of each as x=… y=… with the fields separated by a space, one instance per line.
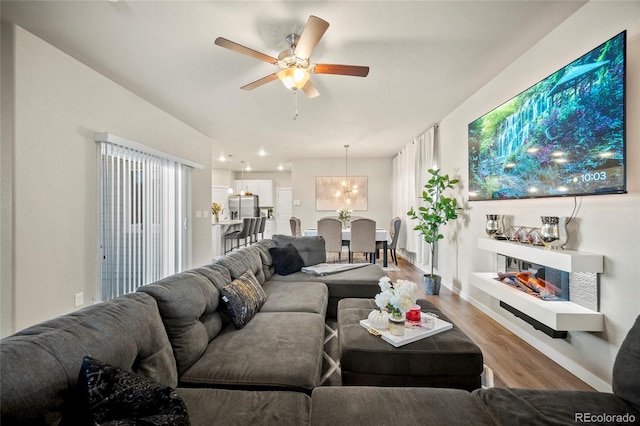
x=144 y=211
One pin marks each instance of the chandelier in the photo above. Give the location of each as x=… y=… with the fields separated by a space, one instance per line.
x=347 y=189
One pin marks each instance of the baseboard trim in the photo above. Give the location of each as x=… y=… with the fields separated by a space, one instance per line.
x=564 y=361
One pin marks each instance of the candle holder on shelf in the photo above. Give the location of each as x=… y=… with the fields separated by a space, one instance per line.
x=492 y=227
x=554 y=232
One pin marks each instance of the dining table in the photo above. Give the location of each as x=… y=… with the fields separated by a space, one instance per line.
x=382 y=236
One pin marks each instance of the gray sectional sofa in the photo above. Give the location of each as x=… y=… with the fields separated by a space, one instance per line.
x=178 y=338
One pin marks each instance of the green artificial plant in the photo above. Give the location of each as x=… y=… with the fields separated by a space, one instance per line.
x=436 y=211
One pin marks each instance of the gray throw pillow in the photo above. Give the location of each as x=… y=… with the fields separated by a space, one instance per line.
x=243 y=297
x=311 y=249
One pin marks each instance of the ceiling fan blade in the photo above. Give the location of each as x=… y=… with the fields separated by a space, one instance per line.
x=311 y=35
x=310 y=90
x=354 y=70
x=228 y=44
x=260 y=82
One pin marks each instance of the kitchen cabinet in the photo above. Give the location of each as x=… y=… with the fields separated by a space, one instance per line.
x=263 y=188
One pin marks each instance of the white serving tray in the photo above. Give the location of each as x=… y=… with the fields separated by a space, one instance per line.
x=411 y=333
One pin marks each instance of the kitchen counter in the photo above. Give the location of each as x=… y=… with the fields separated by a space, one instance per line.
x=217 y=235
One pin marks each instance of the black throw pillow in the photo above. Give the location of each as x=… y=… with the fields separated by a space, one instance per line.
x=114 y=396
x=286 y=260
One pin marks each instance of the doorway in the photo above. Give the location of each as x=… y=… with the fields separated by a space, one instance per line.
x=284 y=210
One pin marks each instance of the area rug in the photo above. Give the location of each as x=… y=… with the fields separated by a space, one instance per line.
x=391 y=268
x=331 y=362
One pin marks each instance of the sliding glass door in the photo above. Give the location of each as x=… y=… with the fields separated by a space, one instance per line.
x=144 y=213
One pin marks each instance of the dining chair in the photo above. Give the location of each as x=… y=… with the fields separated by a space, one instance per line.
x=363 y=238
x=243 y=233
x=394 y=232
x=296 y=226
x=331 y=230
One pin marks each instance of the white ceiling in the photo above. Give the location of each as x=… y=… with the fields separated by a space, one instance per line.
x=425 y=59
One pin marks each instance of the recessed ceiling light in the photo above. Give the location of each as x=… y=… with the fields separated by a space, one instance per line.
x=280 y=167
x=262 y=153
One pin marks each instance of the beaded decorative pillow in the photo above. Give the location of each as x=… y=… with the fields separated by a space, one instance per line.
x=243 y=297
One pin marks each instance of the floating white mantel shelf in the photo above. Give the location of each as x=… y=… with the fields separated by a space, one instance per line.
x=558 y=315
x=564 y=260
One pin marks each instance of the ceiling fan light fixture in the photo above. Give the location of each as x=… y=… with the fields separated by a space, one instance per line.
x=294 y=78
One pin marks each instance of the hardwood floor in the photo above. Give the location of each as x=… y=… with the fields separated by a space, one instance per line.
x=514 y=362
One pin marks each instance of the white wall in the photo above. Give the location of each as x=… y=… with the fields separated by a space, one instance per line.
x=303 y=183
x=59 y=105
x=606 y=224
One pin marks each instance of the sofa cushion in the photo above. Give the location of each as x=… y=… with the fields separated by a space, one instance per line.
x=40 y=364
x=351 y=405
x=239 y=408
x=290 y=358
x=555 y=407
x=626 y=368
x=360 y=283
x=295 y=297
x=237 y=262
x=244 y=297
x=188 y=304
x=113 y=394
x=311 y=249
x=217 y=274
x=286 y=260
x=263 y=247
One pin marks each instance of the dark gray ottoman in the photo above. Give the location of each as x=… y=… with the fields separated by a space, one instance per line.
x=447 y=360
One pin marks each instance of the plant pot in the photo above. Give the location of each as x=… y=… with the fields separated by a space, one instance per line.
x=432 y=284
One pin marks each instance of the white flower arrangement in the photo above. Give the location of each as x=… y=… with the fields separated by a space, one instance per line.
x=344 y=214
x=398 y=297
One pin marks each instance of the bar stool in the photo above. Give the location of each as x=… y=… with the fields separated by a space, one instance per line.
x=260 y=228
x=238 y=235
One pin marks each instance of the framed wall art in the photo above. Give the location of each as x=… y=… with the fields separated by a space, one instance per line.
x=332 y=192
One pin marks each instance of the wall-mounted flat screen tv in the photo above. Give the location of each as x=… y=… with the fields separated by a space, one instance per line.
x=564 y=136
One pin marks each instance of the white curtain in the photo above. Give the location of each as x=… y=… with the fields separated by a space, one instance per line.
x=410 y=175
x=144 y=211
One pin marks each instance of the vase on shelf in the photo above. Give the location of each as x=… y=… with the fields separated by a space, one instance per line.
x=554 y=232
x=492 y=227
x=216 y=218
x=396 y=324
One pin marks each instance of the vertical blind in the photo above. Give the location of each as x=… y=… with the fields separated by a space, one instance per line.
x=144 y=211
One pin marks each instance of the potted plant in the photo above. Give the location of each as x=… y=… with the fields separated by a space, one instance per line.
x=437 y=210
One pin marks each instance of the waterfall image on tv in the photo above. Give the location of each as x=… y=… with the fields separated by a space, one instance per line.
x=564 y=136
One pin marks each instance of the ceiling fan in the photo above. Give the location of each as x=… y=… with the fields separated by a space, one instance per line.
x=295 y=66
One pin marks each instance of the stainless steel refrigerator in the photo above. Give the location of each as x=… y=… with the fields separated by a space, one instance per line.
x=243 y=206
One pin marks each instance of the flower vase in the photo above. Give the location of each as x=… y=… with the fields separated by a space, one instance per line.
x=217 y=218
x=344 y=223
x=396 y=324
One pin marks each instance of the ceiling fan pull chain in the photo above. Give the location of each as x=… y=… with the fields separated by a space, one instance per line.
x=295 y=104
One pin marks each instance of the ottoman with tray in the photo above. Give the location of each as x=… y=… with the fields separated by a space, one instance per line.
x=446 y=360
